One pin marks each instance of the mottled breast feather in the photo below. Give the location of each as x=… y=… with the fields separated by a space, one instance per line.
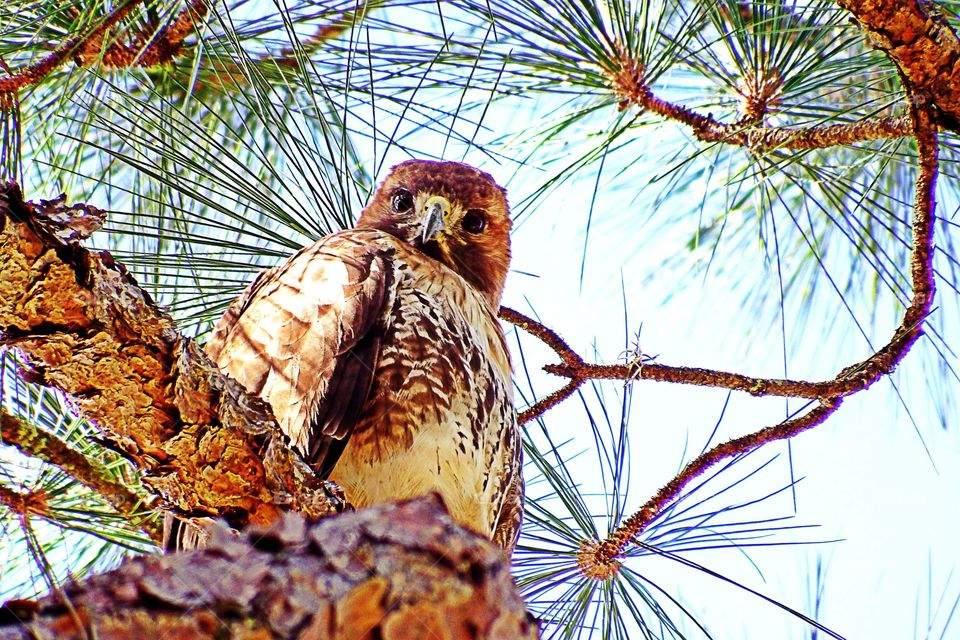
x=388 y=371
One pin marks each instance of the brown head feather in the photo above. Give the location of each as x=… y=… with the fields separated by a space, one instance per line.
x=481 y=258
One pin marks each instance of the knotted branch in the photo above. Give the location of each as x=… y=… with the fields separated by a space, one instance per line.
x=85 y=327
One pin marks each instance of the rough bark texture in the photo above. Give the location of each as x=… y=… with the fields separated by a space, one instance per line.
x=403 y=571
x=86 y=328
x=920 y=43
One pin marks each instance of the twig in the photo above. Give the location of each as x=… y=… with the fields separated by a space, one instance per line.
x=329 y=30
x=146 y=49
x=228 y=74
x=850 y=380
x=37 y=443
x=613 y=546
x=764 y=138
x=25 y=503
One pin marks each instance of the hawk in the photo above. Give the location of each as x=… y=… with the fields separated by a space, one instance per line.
x=380 y=352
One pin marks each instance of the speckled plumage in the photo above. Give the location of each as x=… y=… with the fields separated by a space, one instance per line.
x=381 y=354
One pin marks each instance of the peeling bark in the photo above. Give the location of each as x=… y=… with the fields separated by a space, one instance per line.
x=402 y=571
x=85 y=327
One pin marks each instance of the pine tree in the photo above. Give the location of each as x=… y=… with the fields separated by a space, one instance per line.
x=763 y=175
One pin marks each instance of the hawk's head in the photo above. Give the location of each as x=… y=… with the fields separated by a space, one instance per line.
x=453 y=213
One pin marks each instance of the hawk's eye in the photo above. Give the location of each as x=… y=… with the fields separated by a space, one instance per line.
x=402 y=201
x=474 y=221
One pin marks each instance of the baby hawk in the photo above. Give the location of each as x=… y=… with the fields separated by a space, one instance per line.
x=380 y=351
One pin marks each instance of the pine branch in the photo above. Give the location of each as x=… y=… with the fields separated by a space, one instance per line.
x=86 y=328
x=922 y=45
x=628 y=84
x=155 y=46
x=598 y=557
x=851 y=380
x=34 y=442
x=391 y=572
x=36 y=72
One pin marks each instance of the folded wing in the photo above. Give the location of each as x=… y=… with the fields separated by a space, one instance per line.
x=305 y=337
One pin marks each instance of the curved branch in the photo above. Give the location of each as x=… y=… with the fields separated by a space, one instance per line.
x=596 y=558
x=868 y=372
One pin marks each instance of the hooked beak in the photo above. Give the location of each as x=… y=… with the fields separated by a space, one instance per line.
x=437 y=208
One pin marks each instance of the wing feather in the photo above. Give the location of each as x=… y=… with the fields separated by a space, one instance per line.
x=305 y=336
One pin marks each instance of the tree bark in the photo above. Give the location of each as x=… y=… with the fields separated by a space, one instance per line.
x=396 y=572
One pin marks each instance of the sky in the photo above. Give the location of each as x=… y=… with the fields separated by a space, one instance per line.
x=879 y=481
x=865 y=475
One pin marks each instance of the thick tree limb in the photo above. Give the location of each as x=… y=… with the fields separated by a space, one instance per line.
x=403 y=571
x=86 y=328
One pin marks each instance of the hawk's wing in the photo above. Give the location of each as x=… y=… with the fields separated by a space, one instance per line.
x=304 y=336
